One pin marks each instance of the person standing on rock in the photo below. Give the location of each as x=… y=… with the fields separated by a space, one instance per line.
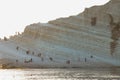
x=17 y=48
x=16 y=60
x=31 y=60
x=85 y=59
x=68 y=62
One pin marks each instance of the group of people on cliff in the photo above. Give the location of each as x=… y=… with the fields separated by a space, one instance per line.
x=40 y=55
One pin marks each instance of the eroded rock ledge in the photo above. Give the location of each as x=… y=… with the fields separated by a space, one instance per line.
x=91 y=38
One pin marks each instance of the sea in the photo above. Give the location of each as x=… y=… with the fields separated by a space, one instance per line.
x=61 y=74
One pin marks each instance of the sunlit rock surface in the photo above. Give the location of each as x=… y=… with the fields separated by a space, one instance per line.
x=89 y=39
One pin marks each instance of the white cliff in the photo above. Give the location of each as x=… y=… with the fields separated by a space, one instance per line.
x=90 y=39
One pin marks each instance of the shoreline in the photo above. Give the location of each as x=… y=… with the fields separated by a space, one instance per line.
x=84 y=67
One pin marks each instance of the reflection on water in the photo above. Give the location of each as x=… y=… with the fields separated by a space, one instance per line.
x=60 y=74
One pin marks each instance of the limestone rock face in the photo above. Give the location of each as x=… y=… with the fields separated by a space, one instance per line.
x=91 y=38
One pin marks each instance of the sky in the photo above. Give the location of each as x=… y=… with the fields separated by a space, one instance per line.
x=16 y=14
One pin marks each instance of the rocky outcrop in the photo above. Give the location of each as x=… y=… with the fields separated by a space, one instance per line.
x=91 y=38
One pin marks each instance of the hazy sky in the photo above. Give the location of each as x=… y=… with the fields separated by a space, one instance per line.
x=16 y=14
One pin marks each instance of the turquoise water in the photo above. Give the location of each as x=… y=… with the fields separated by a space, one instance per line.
x=61 y=74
